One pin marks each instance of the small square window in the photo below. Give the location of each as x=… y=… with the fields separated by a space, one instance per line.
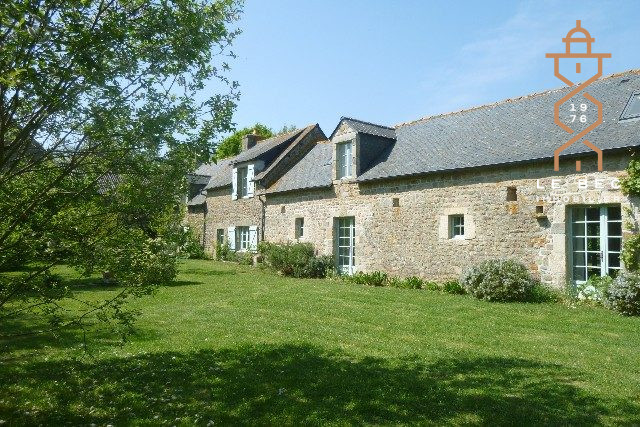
x=299 y=228
x=512 y=194
x=395 y=202
x=220 y=236
x=632 y=109
x=456 y=226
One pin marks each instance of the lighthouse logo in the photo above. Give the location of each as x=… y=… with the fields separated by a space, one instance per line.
x=581 y=57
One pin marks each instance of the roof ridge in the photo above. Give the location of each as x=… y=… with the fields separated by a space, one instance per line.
x=365 y=122
x=508 y=100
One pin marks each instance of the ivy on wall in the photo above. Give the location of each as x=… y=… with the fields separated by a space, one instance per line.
x=630 y=186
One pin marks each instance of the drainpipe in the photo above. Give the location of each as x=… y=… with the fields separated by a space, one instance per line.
x=263 y=202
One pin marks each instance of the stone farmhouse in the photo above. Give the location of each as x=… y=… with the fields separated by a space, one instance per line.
x=433 y=196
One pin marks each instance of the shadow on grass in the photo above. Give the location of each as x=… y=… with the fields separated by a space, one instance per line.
x=299 y=384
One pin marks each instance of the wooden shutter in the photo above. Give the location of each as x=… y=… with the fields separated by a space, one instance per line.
x=231 y=238
x=234 y=184
x=250 y=183
x=253 y=238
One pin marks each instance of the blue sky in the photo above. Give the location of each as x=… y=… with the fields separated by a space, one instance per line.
x=302 y=62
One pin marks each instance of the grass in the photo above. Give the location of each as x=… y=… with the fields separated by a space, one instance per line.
x=228 y=344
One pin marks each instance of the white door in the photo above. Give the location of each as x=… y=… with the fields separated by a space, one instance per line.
x=345 y=245
x=596 y=241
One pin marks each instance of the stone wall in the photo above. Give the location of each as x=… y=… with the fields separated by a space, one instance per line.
x=413 y=239
x=222 y=212
x=195 y=220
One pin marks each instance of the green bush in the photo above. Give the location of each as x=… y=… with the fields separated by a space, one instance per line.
x=623 y=295
x=411 y=282
x=499 y=280
x=453 y=287
x=541 y=294
x=296 y=259
x=243 y=258
x=376 y=278
x=593 y=290
x=191 y=246
x=223 y=252
x=430 y=285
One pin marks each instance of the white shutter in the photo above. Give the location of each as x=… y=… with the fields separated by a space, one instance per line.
x=253 y=238
x=250 y=183
x=234 y=184
x=231 y=238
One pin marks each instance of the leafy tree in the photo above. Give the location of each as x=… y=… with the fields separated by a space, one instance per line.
x=232 y=145
x=98 y=125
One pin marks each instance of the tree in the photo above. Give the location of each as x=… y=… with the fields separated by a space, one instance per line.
x=99 y=124
x=231 y=145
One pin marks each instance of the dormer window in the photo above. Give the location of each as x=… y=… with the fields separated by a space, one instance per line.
x=344 y=159
x=242 y=182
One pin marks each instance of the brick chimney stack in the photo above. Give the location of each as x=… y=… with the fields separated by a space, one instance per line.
x=250 y=140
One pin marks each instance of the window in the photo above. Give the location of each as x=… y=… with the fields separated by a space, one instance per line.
x=299 y=228
x=220 y=236
x=632 y=110
x=512 y=194
x=596 y=241
x=242 y=238
x=243 y=182
x=456 y=226
x=343 y=163
x=345 y=244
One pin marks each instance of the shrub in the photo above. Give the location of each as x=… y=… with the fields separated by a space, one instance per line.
x=223 y=252
x=191 y=246
x=243 y=258
x=623 y=295
x=593 y=290
x=453 y=287
x=376 y=278
x=430 y=286
x=499 y=280
x=295 y=259
x=412 y=282
x=541 y=293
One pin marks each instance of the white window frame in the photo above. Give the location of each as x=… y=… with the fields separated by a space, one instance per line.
x=603 y=240
x=242 y=183
x=344 y=159
x=242 y=239
x=345 y=241
x=456 y=226
x=299 y=228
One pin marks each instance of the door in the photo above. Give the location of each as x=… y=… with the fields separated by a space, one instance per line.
x=596 y=241
x=345 y=245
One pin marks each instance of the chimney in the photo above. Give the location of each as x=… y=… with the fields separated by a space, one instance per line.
x=250 y=140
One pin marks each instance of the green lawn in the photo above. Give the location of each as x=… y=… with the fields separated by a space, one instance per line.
x=234 y=345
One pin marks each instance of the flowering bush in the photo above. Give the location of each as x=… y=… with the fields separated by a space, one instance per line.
x=499 y=280
x=623 y=295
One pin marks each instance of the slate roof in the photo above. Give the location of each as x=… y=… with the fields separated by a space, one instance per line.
x=511 y=131
x=197 y=200
x=366 y=127
x=265 y=145
x=312 y=171
x=221 y=172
